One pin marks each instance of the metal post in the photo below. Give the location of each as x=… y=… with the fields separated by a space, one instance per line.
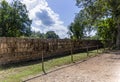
x=87 y=51
x=43 y=67
x=97 y=48
x=71 y=53
x=104 y=49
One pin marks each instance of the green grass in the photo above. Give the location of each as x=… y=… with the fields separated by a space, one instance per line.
x=16 y=72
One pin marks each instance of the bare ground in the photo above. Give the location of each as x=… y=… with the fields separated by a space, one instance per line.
x=103 y=68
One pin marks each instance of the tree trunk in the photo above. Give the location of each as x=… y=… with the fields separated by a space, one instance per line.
x=118 y=37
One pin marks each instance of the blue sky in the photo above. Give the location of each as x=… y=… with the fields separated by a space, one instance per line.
x=65 y=8
x=53 y=15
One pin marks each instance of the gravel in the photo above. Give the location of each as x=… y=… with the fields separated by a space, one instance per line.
x=102 y=68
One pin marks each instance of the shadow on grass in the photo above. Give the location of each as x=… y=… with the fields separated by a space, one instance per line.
x=38 y=61
x=19 y=64
x=30 y=62
x=61 y=67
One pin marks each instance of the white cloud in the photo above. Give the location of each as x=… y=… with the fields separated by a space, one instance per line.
x=38 y=10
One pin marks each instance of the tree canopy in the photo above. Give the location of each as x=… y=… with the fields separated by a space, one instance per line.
x=104 y=15
x=14 y=20
x=47 y=35
x=80 y=26
x=51 y=35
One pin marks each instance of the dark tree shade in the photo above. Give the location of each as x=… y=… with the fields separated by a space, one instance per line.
x=100 y=13
x=51 y=35
x=14 y=20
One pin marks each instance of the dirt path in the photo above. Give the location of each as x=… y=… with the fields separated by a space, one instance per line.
x=103 y=68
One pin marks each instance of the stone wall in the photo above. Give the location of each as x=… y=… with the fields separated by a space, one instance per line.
x=14 y=50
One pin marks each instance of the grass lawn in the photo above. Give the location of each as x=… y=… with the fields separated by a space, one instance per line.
x=16 y=72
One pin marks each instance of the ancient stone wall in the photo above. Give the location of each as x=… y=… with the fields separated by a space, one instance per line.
x=14 y=50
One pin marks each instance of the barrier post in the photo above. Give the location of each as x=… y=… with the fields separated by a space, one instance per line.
x=43 y=66
x=87 y=51
x=104 y=49
x=71 y=52
x=97 y=48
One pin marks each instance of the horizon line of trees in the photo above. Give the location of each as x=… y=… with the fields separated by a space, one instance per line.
x=47 y=35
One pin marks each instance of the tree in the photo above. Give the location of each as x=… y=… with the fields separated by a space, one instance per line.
x=106 y=30
x=38 y=35
x=47 y=35
x=14 y=20
x=101 y=10
x=80 y=27
x=51 y=35
x=4 y=14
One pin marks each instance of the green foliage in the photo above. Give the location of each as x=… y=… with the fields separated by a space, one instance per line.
x=104 y=14
x=80 y=26
x=38 y=35
x=14 y=20
x=48 y=35
x=106 y=29
x=95 y=37
x=16 y=72
x=51 y=35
